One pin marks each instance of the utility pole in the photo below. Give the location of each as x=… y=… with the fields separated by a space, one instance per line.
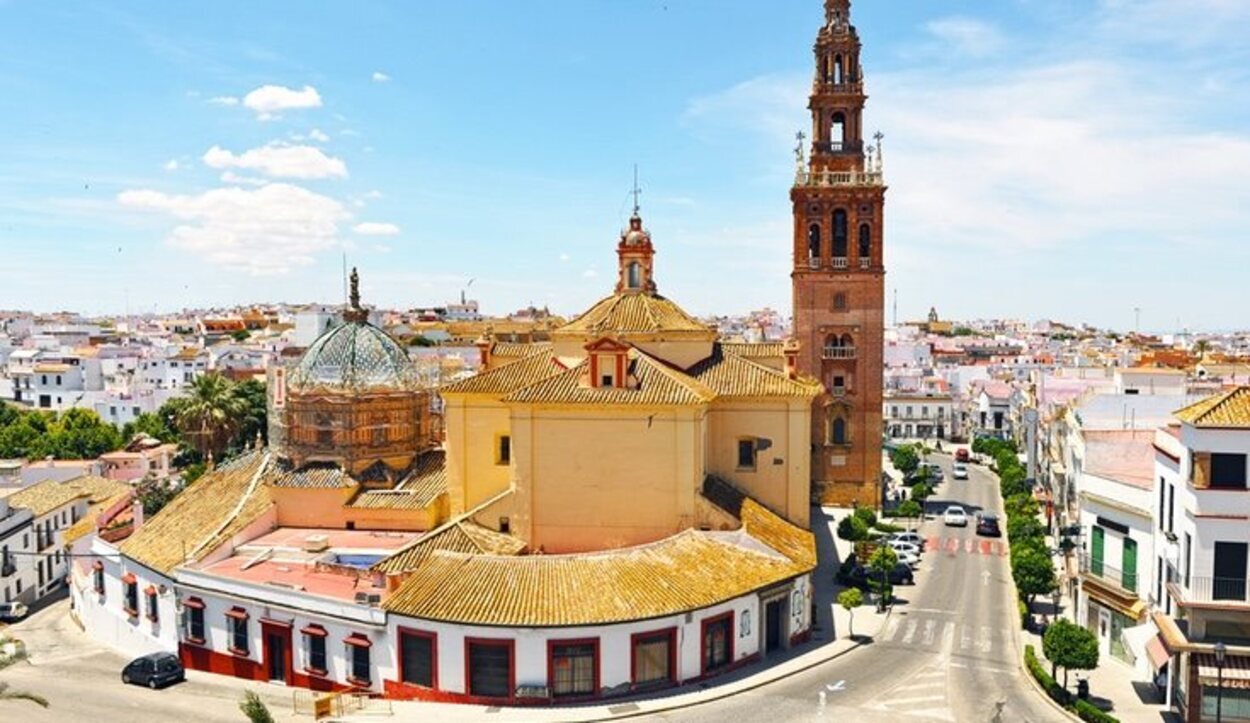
x=896 y=307
x=1137 y=320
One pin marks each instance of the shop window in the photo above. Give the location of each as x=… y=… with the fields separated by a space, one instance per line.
x=717 y=642
x=654 y=658
x=574 y=668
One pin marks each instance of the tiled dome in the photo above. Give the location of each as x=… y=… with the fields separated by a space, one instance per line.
x=354 y=356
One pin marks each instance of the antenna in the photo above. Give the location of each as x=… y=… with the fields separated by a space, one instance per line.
x=344 y=278
x=896 y=306
x=1137 y=320
x=637 y=191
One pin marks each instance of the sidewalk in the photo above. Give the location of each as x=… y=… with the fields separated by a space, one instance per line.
x=826 y=644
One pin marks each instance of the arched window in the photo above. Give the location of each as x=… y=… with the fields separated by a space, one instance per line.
x=839 y=301
x=865 y=241
x=837 y=70
x=813 y=241
x=847 y=341
x=839 y=234
x=837 y=132
x=824 y=68
x=634 y=275
x=832 y=341
x=837 y=431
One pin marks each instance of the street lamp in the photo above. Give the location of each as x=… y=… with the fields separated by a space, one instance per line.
x=1220 y=649
x=1055 y=596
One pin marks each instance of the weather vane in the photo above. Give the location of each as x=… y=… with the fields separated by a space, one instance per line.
x=637 y=191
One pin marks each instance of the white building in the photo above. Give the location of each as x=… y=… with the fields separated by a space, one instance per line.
x=1149 y=381
x=17 y=562
x=920 y=416
x=175 y=370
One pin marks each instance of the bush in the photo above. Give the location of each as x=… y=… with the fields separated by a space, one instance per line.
x=1086 y=711
x=1053 y=689
x=866 y=514
x=1020 y=504
x=1023 y=608
x=887 y=528
x=1023 y=527
x=852 y=529
x=254 y=708
x=910 y=508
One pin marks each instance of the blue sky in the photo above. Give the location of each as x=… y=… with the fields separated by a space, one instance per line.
x=1046 y=158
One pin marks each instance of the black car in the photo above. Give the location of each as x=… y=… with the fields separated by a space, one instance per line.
x=900 y=575
x=987 y=525
x=154 y=670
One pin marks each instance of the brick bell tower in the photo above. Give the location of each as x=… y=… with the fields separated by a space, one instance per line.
x=839 y=274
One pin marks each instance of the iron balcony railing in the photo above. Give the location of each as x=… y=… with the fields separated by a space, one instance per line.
x=1100 y=570
x=1214 y=589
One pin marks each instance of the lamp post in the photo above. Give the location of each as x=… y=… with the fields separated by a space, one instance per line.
x=1056 y=596
x=1220 y=649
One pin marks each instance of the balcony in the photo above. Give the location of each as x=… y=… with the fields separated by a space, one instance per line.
x=814 y=262
x=8 y=568
x=1099 y=571
x=839 y=352
x=830 y=179
x=865 y=263
x=1204 y=591
x=829 y=85
x=841 y=262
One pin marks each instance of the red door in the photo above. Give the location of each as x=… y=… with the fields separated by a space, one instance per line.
x=277 y=651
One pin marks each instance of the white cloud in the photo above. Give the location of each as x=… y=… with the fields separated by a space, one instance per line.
x=967 y=36
x=224 y=100
x=268 y=100
x=317 y=135
x=279 y=160
x=565 y=257
x=268 y=230
x=374 y=228
x=236 y=179
x=171 y=164
x=380 y=77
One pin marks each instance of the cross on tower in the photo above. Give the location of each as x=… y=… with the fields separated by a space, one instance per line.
x=637 y=191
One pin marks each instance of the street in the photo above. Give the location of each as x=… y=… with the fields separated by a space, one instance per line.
x=81 y=680
x=948 y=652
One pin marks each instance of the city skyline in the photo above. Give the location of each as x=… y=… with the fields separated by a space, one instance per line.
x=263 y=155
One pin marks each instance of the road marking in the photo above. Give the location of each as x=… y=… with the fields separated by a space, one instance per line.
x=968 y=545
x=985 y=641
x=985 y=578
x=948 y=639
x=916 y=699
x=911 y=632
x=836 y=687
x=930 y=674
x=892 y=628
x=928 y=631
x=965 y=639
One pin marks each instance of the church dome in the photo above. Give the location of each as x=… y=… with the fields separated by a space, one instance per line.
x=355 y=356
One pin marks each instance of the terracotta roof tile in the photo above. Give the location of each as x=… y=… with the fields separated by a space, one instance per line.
x=509 y=378
x=508 y=349
x=461 y=536
x=729 y=375
x=419 y=488
x=756 y=350
x=1230 y=409
x=657 y=385
x=634 y=313
x=47 y=496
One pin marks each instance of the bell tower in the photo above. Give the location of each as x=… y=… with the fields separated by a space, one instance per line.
x=838 y=275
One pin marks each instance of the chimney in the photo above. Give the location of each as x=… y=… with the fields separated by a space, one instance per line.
x=484 y=346
x=136 y=512
x=791 y=352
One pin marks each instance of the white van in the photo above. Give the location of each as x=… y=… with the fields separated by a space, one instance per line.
x=12 y=611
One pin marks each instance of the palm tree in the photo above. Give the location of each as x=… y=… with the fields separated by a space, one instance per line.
x=211 y=415
x=6 y=694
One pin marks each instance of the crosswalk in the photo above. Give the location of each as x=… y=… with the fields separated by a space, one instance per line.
x=966 y=545
x=947 y=637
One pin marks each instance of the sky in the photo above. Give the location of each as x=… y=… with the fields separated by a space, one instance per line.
x=1055 y=159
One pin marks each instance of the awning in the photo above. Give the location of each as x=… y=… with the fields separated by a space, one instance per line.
x=357 y=640
x=237 y=613
x=129 y=578
x=1236 y=670
x=1135 y=638
x=150 y=590
x=1157 y=654
x=193 y=602
x=314 y=630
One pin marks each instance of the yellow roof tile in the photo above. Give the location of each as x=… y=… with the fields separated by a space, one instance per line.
x=206 y=514
x=729 y=375
x=423 y=484
x=658 y=385
x=1230 y=409
x=508 y=349
x=756 y=350
x=634 y=313
x=48 y=495
x=507 y=379
x=461 y=536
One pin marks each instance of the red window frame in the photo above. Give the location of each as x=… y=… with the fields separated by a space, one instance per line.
x=316 y=631
x=358 y=640
x=233 y=616
x=150 y=594
x=399 y=655
x=551 y=667
x=497 y=642
x=130 y=587
x=729 y=641
x=671 y=633
x=194 y=603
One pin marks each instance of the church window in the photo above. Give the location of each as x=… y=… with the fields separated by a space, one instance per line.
x=503 y=449
x=839 y=233
x=837 y=132
x=865 y=241
x=634 y=275
x=746 y=453
x=837 y=70
x=813 y=241
x=837 y=431
x=839 y=301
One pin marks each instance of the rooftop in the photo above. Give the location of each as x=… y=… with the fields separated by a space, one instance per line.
x=1230 y=409
x=1125 y=456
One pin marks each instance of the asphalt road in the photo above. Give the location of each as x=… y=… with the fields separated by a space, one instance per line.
x=81 y=680
x=948 y=652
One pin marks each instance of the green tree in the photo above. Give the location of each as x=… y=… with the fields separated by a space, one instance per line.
x=154 y=495
x=867 y=514
x=80 y=434
x=921 y=492
x=241 y=335
x=254 y=421
x=852 y=529
x=211 y=415
x=850 y=599
x=254 y=708
x=419 y=340
x=1020 y=527
x=905 y=459
x=910 y=509
x=153 y=425
x=7 y=694
x=1033 y=572
x=881 y=563
x=1070 y=647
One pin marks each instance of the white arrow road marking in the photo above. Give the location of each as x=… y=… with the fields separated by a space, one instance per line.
x=984 y=641
x=837 y=687
x=985 y=577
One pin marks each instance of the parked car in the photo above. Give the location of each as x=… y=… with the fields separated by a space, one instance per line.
x=154 y=670
x=987 y=525
x=12 y=611
x=911 y=538
x=963 y=455
x=959 y=471
x=935 y=473
x=900 y=575
x=904 y=547
x=955 y=516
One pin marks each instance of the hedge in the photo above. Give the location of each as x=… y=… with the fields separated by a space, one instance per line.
x=1086 y=711
x=1024 y=614
x=888 y=528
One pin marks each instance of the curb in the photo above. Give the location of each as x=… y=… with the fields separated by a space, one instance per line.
x=1037 y=687
x=721 y=695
